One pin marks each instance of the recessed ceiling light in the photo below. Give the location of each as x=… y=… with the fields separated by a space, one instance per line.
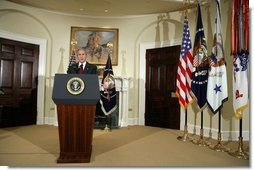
x=81 y=9
x=105 y=10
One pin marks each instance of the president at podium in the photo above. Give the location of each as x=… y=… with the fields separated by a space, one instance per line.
x=82 y=66
x=76 y=95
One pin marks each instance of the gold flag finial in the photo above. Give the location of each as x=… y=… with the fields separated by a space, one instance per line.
x=185 y=4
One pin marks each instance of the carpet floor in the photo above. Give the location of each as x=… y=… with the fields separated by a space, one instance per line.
x=133 y=146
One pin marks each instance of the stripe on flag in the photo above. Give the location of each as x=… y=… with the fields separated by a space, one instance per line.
x=184 y=70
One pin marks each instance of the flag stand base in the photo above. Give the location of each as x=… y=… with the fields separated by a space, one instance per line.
x=219 y=147
x=240 y=152
x=185 y=136
x=201 y=141
x=107 y=129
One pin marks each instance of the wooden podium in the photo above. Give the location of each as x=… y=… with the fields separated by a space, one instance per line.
x=76 y=96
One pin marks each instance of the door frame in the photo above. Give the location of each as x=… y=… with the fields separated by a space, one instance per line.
x=142 y=76
x=41 y=67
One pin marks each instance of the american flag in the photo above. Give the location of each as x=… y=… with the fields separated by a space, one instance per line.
x=213 y=60
x=72 y=59
x=184 y=71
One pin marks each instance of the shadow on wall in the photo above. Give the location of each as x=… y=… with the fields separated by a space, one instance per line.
x=163 y=21
x=61 y=65
x=209 y=30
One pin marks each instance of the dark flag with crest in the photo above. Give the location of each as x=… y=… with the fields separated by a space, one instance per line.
x=108 y=93
x=200 y=64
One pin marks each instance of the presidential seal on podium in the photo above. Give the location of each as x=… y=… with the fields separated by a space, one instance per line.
x=75 y=86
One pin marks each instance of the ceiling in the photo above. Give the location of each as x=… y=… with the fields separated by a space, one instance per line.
x=107 y=8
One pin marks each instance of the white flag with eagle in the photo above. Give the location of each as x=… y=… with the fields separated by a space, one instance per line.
x=217 y=88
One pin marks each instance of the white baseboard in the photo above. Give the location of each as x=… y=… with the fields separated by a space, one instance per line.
x=51 y=121
x=133 y=121
x=213 y=133
x=192 y=129
x=40 y=121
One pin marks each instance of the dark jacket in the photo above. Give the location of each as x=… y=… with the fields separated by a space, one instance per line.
x=89 y=69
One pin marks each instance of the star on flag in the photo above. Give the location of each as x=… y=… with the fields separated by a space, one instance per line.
x=217 y=88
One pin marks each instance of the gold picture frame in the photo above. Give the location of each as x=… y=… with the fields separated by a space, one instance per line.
x=98 y=42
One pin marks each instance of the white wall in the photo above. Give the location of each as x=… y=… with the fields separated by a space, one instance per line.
x=133 y=31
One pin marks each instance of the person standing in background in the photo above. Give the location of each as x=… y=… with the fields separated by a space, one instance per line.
x=82 y=66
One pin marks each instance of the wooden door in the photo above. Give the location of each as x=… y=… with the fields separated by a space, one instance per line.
x=18 y=83
x=162 y=107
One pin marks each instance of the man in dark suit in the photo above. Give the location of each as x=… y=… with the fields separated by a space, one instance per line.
x=82 y=66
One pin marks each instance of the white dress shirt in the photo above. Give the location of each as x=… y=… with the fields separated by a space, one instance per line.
x=84 y=65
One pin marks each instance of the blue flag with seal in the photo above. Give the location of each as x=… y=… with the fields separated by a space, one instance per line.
x=108 y=92
x=200 y=65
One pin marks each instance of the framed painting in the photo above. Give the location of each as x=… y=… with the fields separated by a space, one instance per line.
x=98 y=42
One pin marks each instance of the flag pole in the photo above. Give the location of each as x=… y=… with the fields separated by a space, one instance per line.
x=108 y=96
x=240 y=153
x=236 y=46
x=185 y=136
x=107 y=128
x=201 y=141
x=219 y=146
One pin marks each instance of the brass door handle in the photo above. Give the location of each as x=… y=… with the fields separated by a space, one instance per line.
x=173 y=94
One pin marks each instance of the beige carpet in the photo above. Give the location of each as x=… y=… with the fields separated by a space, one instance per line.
x=38 y=145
